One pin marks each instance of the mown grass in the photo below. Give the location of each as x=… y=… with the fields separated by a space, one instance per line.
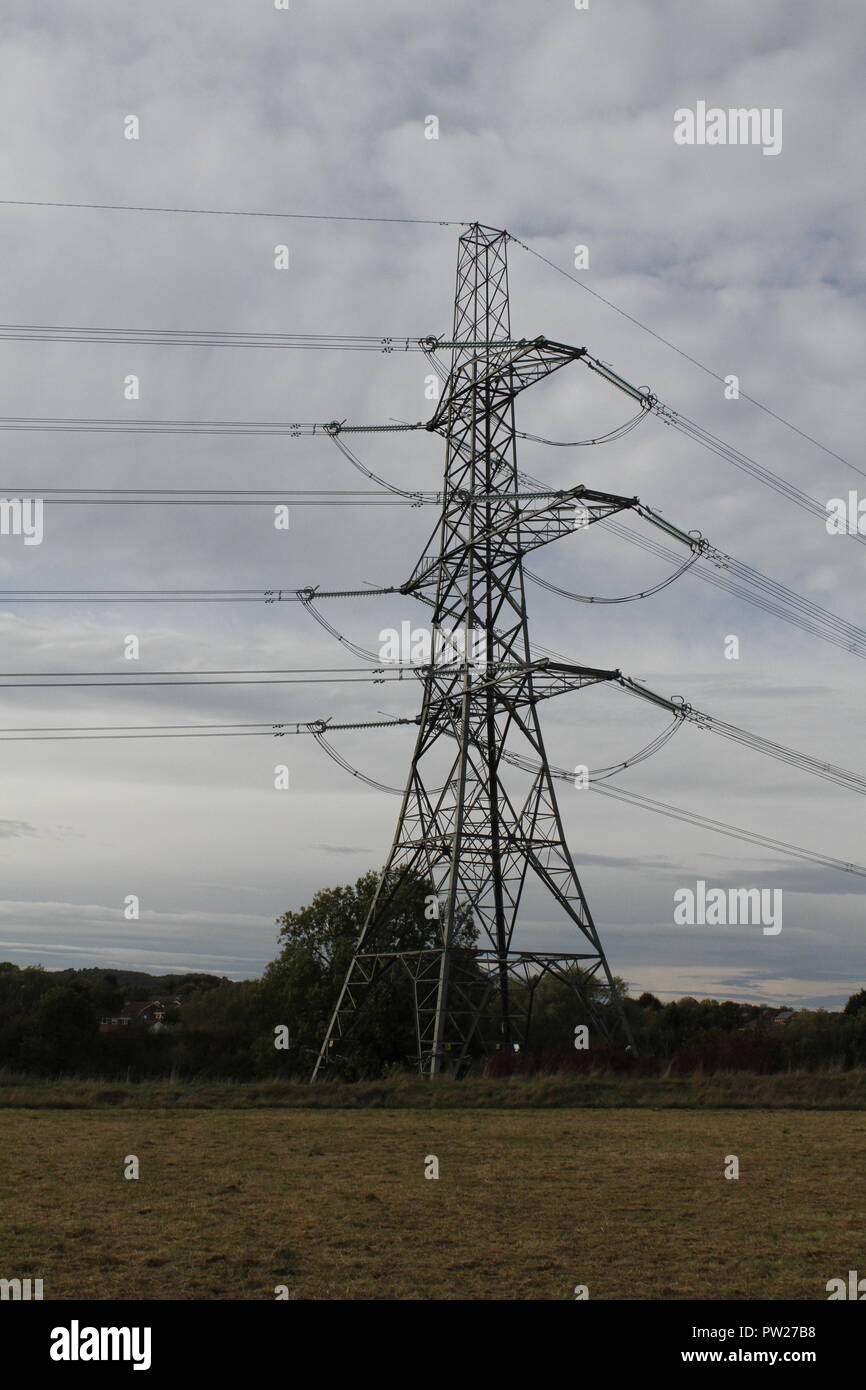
x=840 y=1090
x=334 y=1204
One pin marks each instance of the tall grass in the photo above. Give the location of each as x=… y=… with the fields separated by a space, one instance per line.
x=807 y=1090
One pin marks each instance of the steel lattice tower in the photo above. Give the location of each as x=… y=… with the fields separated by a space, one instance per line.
x=468 y=837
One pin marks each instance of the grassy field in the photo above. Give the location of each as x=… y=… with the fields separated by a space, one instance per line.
x=817 y=1090
x=334 y=1203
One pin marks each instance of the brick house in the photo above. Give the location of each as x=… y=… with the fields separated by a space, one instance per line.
x=149 y=1014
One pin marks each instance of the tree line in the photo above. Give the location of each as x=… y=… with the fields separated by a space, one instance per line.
x=273 y=1026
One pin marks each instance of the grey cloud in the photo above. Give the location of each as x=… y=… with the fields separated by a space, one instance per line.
x=751 y=265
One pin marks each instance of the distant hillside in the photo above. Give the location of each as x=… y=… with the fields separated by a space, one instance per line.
x=137 y=984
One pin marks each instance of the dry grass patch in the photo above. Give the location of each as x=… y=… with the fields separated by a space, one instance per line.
x=335 y=1205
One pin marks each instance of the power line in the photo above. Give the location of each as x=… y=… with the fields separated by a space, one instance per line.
x=229 y=671
x=560 y=270
x=618 y=432
x=210 y=497
x=753 y=742
x=804 y=762
x=266 y=494
x=734 y=832
x=184 y=337
x=230 y=212
x=133 y=680
x=430 y=222
x=756 y=743
x=275 y=595
x=387 y=678
x=809 y=616
x=830 y=772
x=714 y=567
x=381 y=675
x=646 y=803
x=755 y=837
x=623 y=598
x=709 y=441
x=105 y=733
x=765 y=593
x=769 y=594
x=730 y=454
x=108 y=425
x=62 y=733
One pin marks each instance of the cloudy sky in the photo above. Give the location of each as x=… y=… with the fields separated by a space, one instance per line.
x=554 y=123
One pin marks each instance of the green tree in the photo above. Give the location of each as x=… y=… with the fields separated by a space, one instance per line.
x=220 y=1028
x=856 y=1003
x=560 y=1005
x=20 y=991
x=302 y=985
x=649 y=1001
x=62 y=1029
x=814 y=1039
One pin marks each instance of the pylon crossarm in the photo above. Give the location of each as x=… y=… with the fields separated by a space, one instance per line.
x=499 y=370
x=520 y=531
x=513 y=686
x=565 y=353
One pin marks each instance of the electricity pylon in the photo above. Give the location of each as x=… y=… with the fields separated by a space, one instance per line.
x=468 y=837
